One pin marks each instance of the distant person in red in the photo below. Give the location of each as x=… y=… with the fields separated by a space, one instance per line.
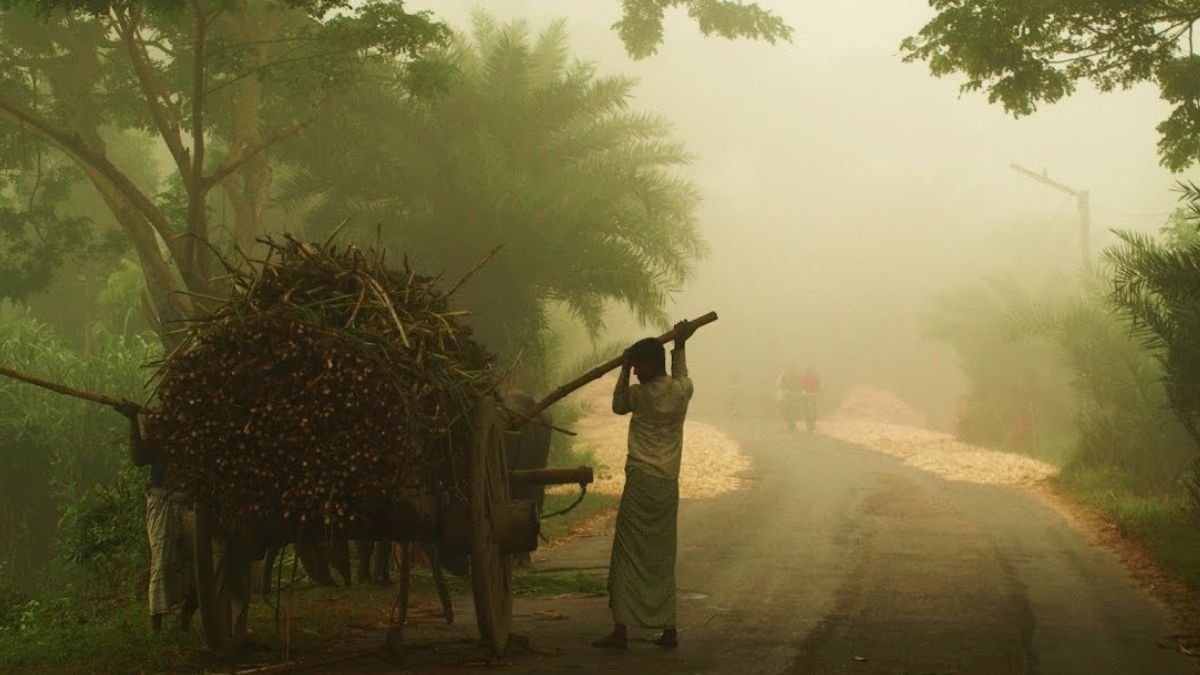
x=811 y=382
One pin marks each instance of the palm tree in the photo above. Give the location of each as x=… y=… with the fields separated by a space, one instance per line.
x=520 y=147
x=1123 y=420
x=1156 y=286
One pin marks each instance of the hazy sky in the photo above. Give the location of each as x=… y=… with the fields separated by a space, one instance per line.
x=842 y=187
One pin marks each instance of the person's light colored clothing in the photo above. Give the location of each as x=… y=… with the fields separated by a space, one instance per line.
x=641 y=572
x=656 y=428
x=169 y=527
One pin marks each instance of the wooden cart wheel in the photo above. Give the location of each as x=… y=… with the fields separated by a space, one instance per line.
x=491 y=570
x=223 y=588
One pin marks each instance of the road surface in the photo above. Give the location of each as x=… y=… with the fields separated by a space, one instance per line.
x=842 y=560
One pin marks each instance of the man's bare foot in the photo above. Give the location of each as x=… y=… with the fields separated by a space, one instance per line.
x=611 y=642
x=617 y=639
x=668 y=640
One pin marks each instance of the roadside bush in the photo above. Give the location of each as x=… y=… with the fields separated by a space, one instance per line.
x=103 y=532
x=1018 y=397
x=1155 y=288
x=1124 y=420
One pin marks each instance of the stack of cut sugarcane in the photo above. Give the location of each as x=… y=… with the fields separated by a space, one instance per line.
x=325 y=379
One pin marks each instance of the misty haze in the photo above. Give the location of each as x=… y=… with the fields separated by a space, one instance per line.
x=664 y=336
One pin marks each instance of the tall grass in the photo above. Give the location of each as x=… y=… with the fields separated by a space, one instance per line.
x=55 y=449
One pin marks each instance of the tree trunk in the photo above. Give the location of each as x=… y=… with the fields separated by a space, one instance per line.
x=248 y=188
x=168 y=305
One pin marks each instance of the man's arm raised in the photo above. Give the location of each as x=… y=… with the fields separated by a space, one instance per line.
x=622 y=403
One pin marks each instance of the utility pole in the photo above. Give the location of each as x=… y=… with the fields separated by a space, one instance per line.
x=1082 y=202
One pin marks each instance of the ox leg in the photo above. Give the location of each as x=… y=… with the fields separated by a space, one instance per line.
x=365 y=549
x=395 y=634
x=439 y=580
x=339 y=557
x=382 y=563
x=267 y=583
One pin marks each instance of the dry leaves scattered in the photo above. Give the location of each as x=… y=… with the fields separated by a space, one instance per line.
x=877 y=420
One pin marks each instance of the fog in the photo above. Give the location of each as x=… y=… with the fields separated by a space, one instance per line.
x=843 y=188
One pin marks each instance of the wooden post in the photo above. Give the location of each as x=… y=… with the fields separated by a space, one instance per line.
x=601 y=370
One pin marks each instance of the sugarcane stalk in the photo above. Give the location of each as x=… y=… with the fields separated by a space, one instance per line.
x=602 y=370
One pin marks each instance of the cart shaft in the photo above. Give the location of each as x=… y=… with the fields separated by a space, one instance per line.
x=578 y=476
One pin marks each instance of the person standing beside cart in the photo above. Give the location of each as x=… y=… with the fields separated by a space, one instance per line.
x=169 y=527
x=641 y=577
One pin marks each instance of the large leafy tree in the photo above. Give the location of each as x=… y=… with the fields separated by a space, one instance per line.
x=526 y=149
x=218 y=83
x=1027 y=53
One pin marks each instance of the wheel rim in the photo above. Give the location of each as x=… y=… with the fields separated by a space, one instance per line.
x=491 y=570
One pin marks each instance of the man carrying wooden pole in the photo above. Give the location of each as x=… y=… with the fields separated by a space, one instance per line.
x=169 y=514
x=169 y=528
x=641 y=576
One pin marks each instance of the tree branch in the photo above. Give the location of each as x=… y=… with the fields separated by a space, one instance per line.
x=73 y=146
x=197 y=227
x=242 y=155
x=282 y=61
x=165 y=119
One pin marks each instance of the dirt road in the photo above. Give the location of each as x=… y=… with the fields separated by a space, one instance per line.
x=842 y=560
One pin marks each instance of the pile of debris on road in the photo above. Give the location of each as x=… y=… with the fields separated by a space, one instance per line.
x=875 y=419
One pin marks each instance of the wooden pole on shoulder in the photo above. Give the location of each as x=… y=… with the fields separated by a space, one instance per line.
x=603 y=369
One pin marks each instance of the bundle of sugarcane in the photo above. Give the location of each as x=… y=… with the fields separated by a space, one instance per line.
x=324 y=379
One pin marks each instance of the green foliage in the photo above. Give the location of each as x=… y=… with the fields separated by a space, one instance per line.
x=641 y=26
x=216 y=84
x=524 y=149
x=56 y=449
x=1156 y=286
x=121 y=298
x=1123 y=420
x=39 y=230
x=546 y=583
x=1026 y=53
x=1017 y=397
x=34 y=245
x=103 y=532
x=67 y=634
x=1163 y=519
